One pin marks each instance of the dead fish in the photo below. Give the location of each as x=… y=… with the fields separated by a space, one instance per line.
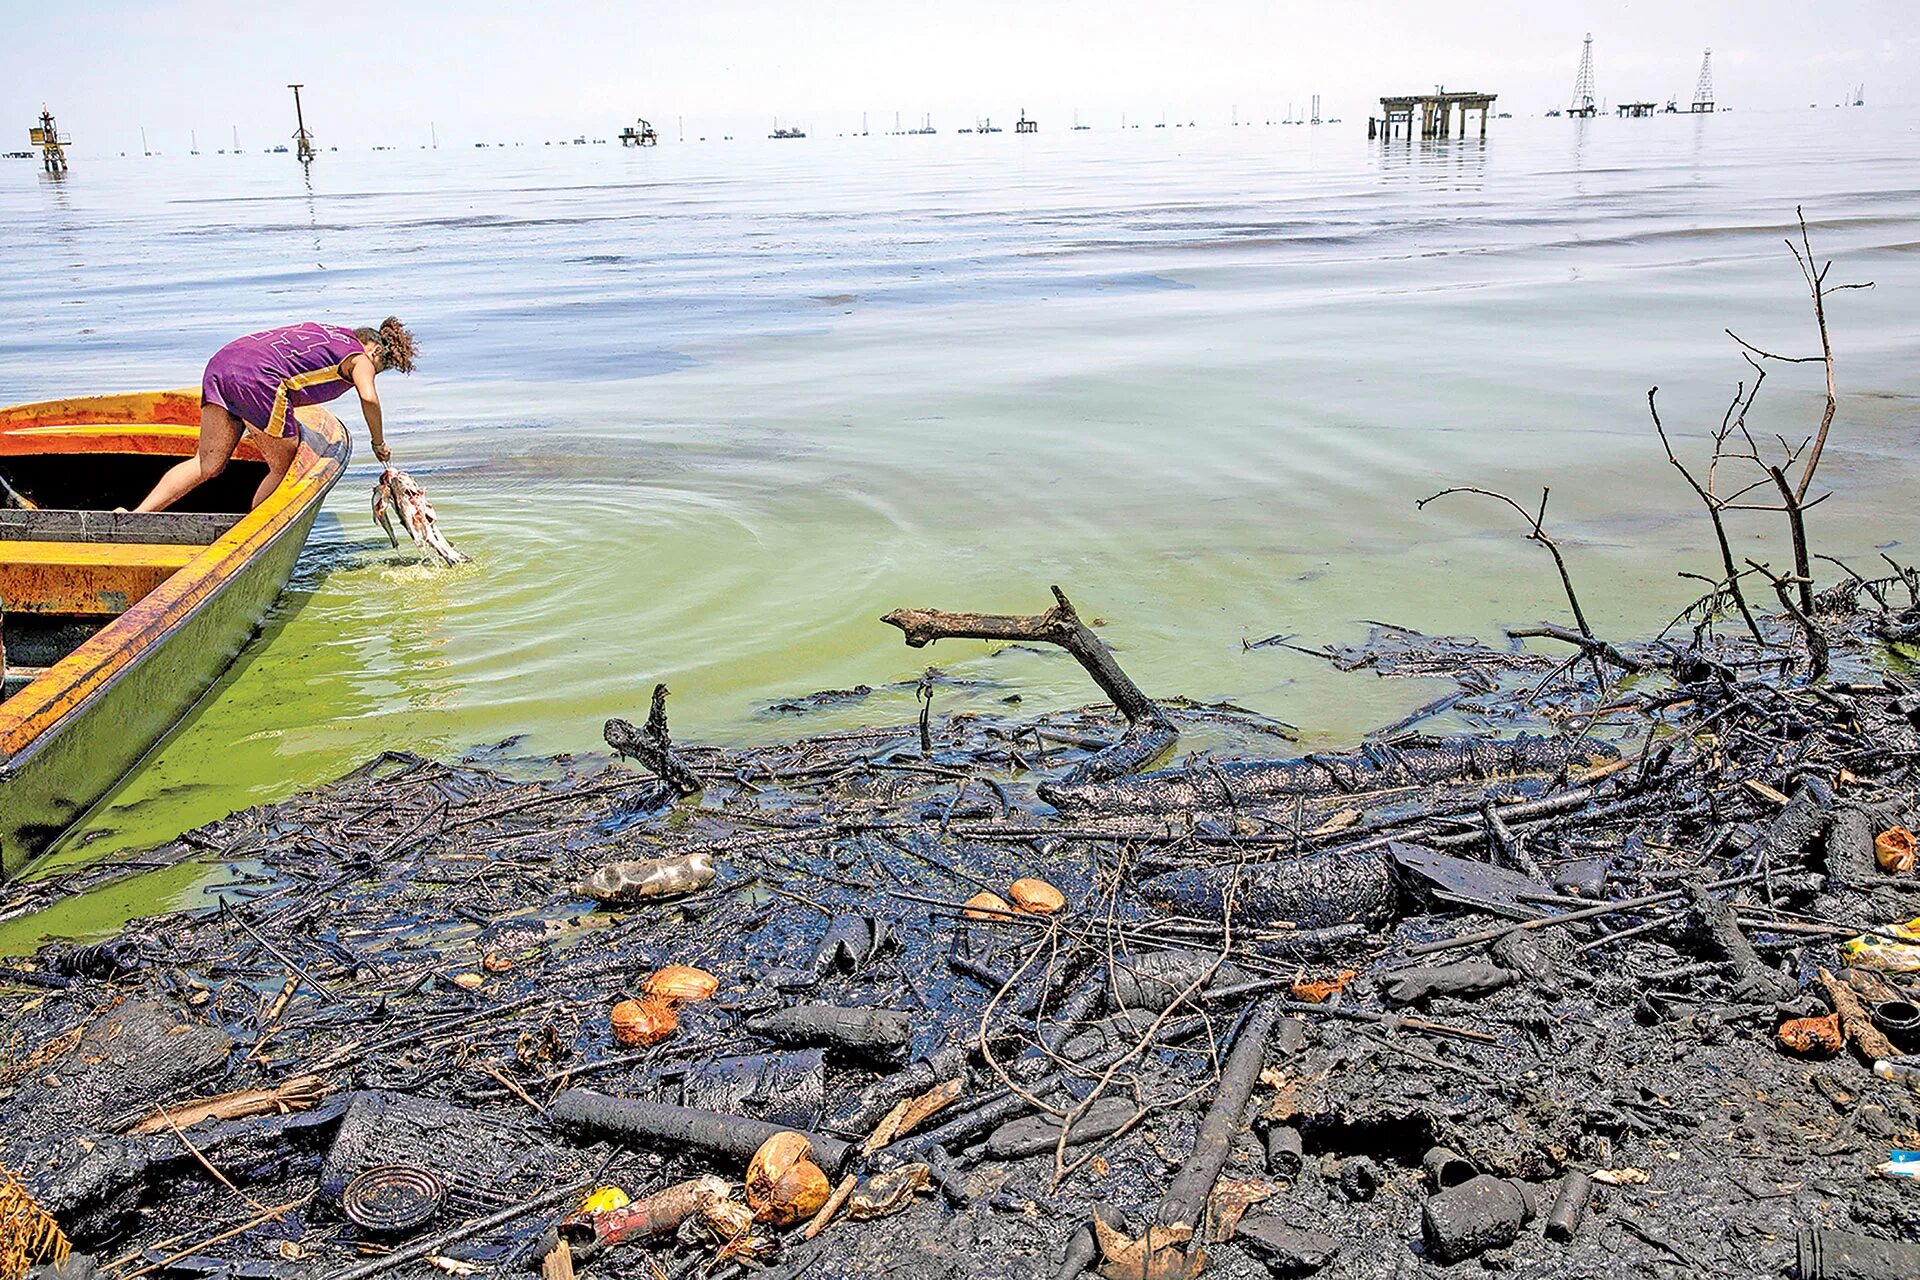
x=400 y=492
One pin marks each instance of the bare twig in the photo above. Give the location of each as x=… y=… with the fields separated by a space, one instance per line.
x=1816 y=639
x=1714 y=505
x=1537 y=533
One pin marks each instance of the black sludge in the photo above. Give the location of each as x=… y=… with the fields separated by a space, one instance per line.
x=1310 y=893
x=1242 y=783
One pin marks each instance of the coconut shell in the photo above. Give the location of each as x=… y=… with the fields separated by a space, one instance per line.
x=681 y=983
x=1812 y=1035
x=1035 y=895
x=1893 y=849
x=784 y=1185
x=987 y=906
x=643 y=1022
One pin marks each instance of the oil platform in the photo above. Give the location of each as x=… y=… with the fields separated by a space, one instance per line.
x=53 y=146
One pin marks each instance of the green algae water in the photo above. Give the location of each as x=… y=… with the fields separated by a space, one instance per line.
x=703 y=413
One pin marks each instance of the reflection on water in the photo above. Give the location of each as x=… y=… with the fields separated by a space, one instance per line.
x=703 y=413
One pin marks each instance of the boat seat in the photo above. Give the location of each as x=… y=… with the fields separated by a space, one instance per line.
x=85 y=579
x=54 y=525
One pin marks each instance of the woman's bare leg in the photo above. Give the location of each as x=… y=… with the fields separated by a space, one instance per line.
x=219 y=436
x=278 y=451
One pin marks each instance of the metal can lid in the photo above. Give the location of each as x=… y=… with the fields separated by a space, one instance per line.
x=391 y=1198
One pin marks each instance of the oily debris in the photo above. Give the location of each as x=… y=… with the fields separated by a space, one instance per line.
x=1622 y=997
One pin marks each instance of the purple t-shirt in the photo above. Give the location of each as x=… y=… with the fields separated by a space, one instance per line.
x=262 y=377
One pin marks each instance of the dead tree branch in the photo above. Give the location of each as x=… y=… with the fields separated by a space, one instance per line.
x=1587 y=644
x=1537 y=533
x=1714 y=504
x=653 y=748
x=1816 y=639
x=1793 y=494
x=1150 y=733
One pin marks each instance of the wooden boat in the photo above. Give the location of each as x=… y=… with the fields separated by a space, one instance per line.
x=113 y=624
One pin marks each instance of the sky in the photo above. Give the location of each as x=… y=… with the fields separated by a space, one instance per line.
x=472 y=69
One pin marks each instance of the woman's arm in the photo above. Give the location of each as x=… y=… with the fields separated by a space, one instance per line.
x=370 y=407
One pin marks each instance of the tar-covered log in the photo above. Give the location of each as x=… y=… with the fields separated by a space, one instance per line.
x=657 y=1123
x=1150 y=733
x=1793 y=831
x=1250 y=783
x=881 y=1033
x=1307 y=893
x=1752 y=979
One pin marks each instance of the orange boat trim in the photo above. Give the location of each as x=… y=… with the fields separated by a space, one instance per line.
x=90 y=578
x=68 y=684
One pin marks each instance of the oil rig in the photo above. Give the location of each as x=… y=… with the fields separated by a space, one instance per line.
x=1703 y=88
x=53 y=147
x=1583 y=107
x=640 y=134
x=1435 y=111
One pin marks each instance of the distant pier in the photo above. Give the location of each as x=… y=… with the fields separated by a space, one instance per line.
x=1435 y=111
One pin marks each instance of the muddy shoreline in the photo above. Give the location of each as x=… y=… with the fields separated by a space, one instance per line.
x=1563 y=958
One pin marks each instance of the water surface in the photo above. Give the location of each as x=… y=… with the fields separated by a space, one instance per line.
x=703 y=413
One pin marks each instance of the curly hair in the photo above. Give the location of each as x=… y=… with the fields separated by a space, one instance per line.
x=395 y=341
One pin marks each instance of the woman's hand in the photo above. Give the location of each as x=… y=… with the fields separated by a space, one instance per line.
x=381 y=451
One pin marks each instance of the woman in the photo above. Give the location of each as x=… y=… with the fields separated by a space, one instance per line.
x=253 y=384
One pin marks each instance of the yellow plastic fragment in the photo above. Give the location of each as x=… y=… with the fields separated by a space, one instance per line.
x=1870 y=951
x=605 y=1200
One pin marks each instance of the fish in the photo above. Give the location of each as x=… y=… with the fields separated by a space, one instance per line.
x=400 y=493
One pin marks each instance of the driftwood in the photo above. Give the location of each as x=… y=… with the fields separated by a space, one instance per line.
x=1752 y=979
x=1793 y=831
x=1150 y=733
x=296 y=1094
x=652 y=746
x=1418 y=762
x=882 y=1032
x=1031 y=1135
x=1856 y=1021
x=1472 y=977
x=1850 y=859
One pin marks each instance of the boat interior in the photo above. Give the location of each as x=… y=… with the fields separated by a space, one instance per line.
x=70 y=563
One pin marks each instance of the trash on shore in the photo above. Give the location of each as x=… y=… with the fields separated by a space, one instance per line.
x=985 y=996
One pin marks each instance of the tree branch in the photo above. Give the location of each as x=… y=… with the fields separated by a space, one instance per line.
x=1537 y=533
x=1150 y=733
